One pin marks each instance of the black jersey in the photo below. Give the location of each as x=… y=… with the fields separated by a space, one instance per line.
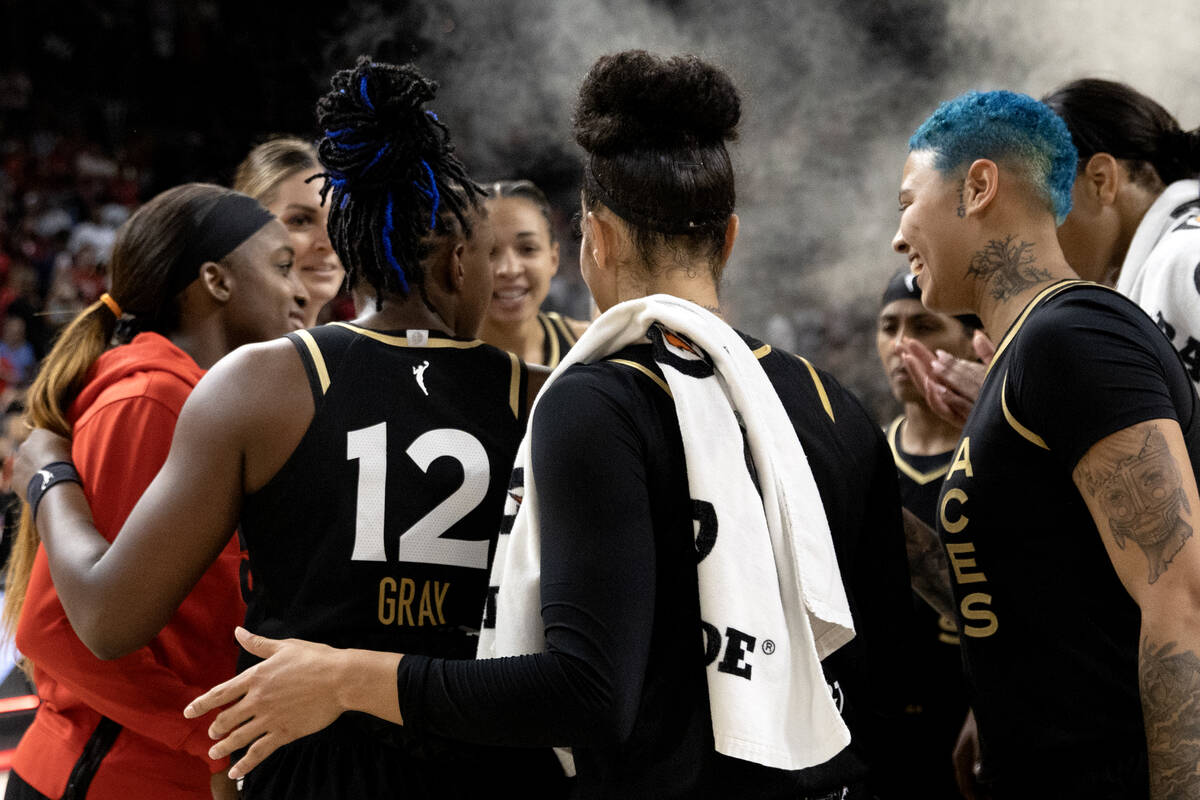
x=378 y=533
x=558 y=339
x=936 y=701
x=1050 y=636
x=623 y=679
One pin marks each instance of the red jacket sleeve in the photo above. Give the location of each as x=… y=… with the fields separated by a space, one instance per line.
x=118 y=450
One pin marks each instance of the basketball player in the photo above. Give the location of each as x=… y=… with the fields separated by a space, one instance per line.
x=524 y=260
x=365 y=464
x=922 y=443
x=626 y=673
x=1071 y=499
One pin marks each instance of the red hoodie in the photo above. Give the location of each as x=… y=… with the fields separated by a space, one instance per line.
x=123 y=421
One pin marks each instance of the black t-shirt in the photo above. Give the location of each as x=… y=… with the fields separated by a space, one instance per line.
x=1050 y=635
x=623 y=678
x=935 y=695
x=378 y=533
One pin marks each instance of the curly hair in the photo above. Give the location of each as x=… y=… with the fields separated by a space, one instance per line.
x=655 y=131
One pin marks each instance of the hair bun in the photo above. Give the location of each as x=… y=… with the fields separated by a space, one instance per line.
x=373 y=121
x=635 y=100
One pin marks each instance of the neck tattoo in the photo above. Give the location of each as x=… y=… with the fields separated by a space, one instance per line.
x=1008 y=267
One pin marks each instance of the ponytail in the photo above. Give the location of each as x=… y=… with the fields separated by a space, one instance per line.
x=61 y=377
x=1178 y=155
x=1110 y=117
x=156 y=255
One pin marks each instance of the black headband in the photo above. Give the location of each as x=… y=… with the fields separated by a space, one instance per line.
x=903 y=286
x=233 y=219
x=646 y=218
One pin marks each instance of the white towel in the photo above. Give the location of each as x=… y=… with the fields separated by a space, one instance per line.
x=770 y=587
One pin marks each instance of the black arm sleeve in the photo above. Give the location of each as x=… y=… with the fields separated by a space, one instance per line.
x=598 y=577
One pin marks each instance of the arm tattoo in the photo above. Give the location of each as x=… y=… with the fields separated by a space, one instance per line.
x=1140 y=489
x=928 y=567
x=1009 y=267
x=1170 y=688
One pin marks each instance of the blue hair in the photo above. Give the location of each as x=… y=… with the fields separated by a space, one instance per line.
x=1000 y=126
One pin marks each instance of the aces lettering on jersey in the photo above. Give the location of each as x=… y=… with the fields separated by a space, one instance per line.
x=979 y=621
x=404 y=601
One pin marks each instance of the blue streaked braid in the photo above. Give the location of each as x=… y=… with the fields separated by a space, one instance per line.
x=391 y=171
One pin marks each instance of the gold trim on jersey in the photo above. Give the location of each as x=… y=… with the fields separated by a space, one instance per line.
x=555 y=350
x=401 y=341
x=647 y=372
x=514 y=386
x=314 y=351
x=1045 y=294
x=921 y=478
x=560 y=322
x=1016 y=426
x=820 y=387
x=763 y=351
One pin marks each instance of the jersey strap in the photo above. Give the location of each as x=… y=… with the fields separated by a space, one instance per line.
x=820 y=387
x=649 y=373
x=314 y=363
x=562 y=326
x=1050 y=291
x=321 y=350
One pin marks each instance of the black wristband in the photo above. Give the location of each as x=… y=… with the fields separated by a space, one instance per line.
x=47 y=476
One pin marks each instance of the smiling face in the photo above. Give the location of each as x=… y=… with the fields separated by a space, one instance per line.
x=523 y=260
x=931 y=234
x=297 y=204
x=267 y=298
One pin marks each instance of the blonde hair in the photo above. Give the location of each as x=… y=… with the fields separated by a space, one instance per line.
x=270 y=164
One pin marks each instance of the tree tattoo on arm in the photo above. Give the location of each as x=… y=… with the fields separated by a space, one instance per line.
x=1140 y=489
x=1008 y=267
x=928 y=567
x=1170 y=687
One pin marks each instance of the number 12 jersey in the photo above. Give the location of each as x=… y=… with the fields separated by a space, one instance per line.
x=378 y=531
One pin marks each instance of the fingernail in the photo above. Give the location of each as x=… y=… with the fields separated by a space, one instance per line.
x=945 y=357
x=212 y=753
x=235 y=774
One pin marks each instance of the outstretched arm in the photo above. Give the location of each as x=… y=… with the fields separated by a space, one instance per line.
x=1139 y=486
x=118 y=597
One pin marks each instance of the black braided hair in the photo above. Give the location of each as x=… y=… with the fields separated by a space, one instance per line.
x=392 y=173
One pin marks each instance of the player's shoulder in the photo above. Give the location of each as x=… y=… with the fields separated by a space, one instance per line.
x=1080 y=309
x=803 y=385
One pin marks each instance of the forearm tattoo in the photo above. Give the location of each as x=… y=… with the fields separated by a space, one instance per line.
x=1008 y=267
x=1140 y=491
x=1170 y=687
x=928 y=568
